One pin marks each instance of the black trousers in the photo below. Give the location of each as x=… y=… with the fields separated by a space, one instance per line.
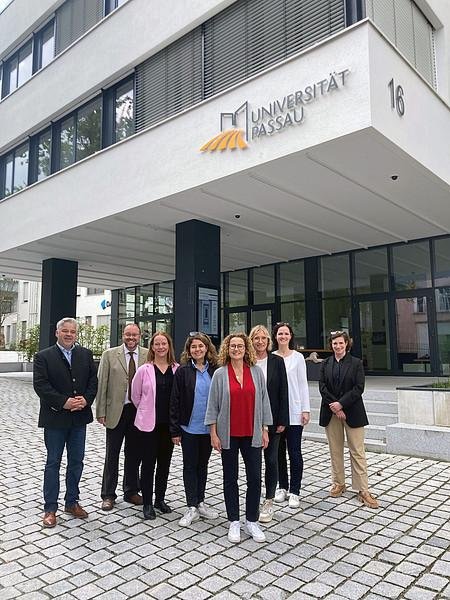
x=271 y=464
x=292 y=439
x=196 y=452
x=156 y=450
x=230 y=463
x=125 y=429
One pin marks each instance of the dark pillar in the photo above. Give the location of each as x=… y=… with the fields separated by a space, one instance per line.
x=114 y=332
x=313 y=304
x=58 y=297
x=197 y=281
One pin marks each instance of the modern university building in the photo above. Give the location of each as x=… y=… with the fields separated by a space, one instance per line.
x=223 y=163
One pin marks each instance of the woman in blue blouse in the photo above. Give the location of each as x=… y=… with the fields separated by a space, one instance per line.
x=187 y=415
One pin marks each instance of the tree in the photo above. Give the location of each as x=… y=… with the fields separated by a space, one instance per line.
x=30 y=345
x=94 y=338
x=8 y=297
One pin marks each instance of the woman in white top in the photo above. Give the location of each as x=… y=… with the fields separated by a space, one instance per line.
x=299 y=416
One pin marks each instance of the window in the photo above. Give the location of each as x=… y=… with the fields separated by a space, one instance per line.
x=124 y=111
x=236 y=288
x=80 y=134
x=442 y=262
x=89 y=129
x=93 y=291
x=411 y=266
x=25 y=291
x=371 y=271
x=44 y=150
x=45 y=45
x=264 y=285
x=23 y=330
x=15 y=169
x=111 y=5
x=25 y=64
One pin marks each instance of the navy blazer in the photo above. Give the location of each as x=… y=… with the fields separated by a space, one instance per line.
x=277 y=388
x=54 y=381
x=182 y=397
x=349 y=393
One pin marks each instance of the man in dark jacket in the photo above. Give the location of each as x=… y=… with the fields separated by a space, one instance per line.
x=65 y=379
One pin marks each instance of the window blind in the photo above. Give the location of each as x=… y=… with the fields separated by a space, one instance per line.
x=251 y=35
x=407 y=27
x=169 y=81
x=74 y=18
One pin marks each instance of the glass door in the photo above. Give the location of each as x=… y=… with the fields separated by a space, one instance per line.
x=415 y=353
x=373 y=336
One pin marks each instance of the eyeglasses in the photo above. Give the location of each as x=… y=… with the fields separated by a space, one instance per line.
x=237 y=346
x=336 y=332
x=281 y=323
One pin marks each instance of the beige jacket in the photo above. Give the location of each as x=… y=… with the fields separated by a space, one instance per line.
x=113 y=383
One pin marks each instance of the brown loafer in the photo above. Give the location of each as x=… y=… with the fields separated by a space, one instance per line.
x=368 y=500
x=76 y=511
x=135 y=499
x=108 y=504
x=337 y=489
x=49 y=519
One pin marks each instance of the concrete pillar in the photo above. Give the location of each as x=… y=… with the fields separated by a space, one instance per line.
x=197 y=281
x=58 y=296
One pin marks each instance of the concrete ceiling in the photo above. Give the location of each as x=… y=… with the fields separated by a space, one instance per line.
x=334 y=197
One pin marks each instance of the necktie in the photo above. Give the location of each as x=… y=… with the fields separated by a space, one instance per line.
x=131 y=372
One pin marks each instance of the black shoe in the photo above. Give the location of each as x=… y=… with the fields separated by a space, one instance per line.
x=149 y=512
x=162 y=507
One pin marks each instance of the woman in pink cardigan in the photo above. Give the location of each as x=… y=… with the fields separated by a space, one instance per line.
x=150 y=393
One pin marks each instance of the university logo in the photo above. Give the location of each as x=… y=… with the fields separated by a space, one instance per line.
x=233 y=131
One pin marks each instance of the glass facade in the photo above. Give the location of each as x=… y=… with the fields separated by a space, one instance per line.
x=394 y=300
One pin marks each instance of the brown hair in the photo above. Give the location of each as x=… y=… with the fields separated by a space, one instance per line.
x=170 y=355
x=336 y=334
x=211 y=353
x=261 y=329
x=224 y=351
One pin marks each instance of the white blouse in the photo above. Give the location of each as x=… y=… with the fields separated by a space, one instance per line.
x=298 y=389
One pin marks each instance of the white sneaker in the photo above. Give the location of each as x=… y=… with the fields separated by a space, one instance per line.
x=234 y=532
x=254 y=530
x=206 y=512
x=281 y=496
x=294 y=501
x=189 y=517
x=266 y=514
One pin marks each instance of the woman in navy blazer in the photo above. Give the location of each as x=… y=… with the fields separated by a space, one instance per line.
x=188 y=404
x=341 y=386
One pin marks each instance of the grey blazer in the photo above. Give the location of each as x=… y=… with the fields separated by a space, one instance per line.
x=218 y=410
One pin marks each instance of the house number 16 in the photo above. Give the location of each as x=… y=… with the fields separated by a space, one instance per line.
x=397 y=100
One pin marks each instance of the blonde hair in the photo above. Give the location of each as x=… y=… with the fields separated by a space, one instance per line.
x=211 y=352
x=261 y=329
x=170 y=355
x=224 y=351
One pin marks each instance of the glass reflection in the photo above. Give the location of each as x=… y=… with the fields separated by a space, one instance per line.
x=124 y=111
x=442 y=261
x=89 y=131
x=9 y=174
x=44 y=149
x=47 y=45
x=371 y=271
x=237 y=293
x=443 y=328
x=264 y=285
x=21 y=168
x=413 y=344
x=25 y=64
x=67 y=151
x=292 y=281
x=411 y=264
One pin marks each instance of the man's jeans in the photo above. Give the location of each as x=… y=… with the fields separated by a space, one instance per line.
x=74 y=440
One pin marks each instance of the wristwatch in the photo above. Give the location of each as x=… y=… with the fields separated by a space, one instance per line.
x=265 y=428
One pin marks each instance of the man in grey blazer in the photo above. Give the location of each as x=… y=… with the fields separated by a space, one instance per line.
x=116 y=412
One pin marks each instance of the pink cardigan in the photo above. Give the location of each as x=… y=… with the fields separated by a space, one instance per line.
x=143 y=394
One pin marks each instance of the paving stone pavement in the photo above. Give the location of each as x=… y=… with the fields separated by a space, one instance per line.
x=330 y=548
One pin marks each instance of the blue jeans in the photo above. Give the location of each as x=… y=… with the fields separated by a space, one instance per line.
x=292 y=438
x=55 y=440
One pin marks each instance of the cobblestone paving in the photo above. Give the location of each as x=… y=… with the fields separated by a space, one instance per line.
x=330 y=548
